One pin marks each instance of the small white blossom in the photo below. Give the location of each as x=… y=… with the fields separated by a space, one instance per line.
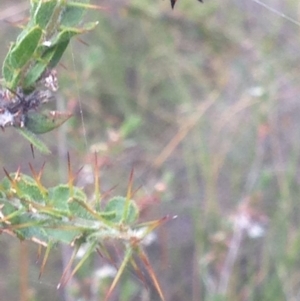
x=106 y=271
x=6 y=118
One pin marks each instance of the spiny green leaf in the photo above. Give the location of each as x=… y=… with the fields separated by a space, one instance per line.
x=7 y=69
x=11 y=210
x=34 y=73
x=73 y=14
x=118 y=205
x=46 y=121
x=30 y=228
x=43 y=12
x=59 y=198
x=64 y=236
x=24 y=187
x=47 y=14
x=34 y=140
x=24 y=49
x=55 y=53
x=49 y=59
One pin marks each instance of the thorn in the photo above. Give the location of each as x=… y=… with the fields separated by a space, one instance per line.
x=106 y=255
x=69 y=164
x=121 y=269
x=136 y=190
x=85 y=43
x=47 y=252
x=138 y=271
x=7 y=175
x=70 y=176
x=89 y=6
x=39 y=253
x=13 y=181
x=37 y=176
x=18 y=172
x=157 y=223
x=41 y=170
x=97 y=181
x=108 y=192
x=143 y=256
x=63 y=66
x=129 y=190
x=32 y=150
x=67 y=271
x=32 y=171
x=80 y=263
x=128 y=196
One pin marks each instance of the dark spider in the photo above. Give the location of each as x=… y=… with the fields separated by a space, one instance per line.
x=14 y=105
x=20 y=104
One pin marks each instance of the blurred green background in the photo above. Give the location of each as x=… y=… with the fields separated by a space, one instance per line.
x=202 y=101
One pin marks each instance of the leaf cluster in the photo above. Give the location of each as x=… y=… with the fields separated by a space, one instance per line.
x=29 y=78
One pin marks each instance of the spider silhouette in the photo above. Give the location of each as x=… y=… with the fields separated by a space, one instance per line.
x=14 y=105
x=174 y=1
